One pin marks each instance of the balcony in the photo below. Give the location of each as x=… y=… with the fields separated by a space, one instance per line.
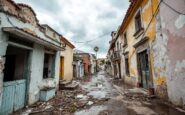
x=116 y=56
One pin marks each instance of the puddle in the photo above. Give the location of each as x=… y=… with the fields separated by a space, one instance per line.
x=98 y=87
x=95 y=110
x=98 y=94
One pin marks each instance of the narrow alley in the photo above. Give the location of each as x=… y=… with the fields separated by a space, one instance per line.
x=100 y=95
x=92 y=57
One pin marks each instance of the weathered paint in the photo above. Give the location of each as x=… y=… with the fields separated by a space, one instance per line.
x=46 y=95
x=147 y=8
x=68 y=60
x=173 y=35
x=36 y=81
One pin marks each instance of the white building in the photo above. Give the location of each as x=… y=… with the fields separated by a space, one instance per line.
x=29 y=57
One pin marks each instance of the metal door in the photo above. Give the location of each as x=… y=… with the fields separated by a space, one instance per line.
x=144 y=69
x=14 y=93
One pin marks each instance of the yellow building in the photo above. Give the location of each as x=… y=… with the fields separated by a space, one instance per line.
x=66 y=61
x=138 y=33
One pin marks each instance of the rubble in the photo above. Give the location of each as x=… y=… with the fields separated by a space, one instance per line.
x=65 y=102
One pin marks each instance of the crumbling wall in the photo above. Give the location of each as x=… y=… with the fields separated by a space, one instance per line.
x=3 y=47
x=24 y=12
x=160 y=60
x=36 y=78
x=173 y=33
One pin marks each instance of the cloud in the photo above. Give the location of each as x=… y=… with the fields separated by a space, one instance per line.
x=82 y=20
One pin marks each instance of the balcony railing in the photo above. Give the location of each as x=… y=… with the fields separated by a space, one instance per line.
x=116 y=56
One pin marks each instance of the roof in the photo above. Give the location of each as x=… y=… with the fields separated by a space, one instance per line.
x=28 y=35
x=131 y=8
x=67 y=42
x=46 y=25
x=27 y=6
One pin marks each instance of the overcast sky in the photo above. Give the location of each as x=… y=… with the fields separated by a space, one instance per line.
x=82 y=20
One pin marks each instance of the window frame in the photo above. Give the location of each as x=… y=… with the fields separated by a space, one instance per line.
x=138 y=24
x=51 y=66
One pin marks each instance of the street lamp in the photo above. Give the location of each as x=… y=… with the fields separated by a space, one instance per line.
x=96 y=49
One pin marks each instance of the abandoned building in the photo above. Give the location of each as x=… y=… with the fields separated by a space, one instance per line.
x=66 y=60
x=151 y=48
x=29 y=57
x=89 y=61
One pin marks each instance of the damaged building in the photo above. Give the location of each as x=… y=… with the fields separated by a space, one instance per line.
x=29 y=57
x=152 y=38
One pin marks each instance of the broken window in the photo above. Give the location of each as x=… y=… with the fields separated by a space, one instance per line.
x=48 y=71
x=127 y=66
x=138 y=26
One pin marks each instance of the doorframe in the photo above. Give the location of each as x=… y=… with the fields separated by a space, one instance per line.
x=141 y=46
x=62 y=67
x=28 y=66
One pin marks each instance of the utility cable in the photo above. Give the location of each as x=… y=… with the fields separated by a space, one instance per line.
x=152 y=18
x=93 y=39
x=173 y=8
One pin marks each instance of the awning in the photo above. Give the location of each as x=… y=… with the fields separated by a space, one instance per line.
x=27 y=36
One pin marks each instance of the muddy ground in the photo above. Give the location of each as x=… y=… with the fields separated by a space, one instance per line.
x=101 y=95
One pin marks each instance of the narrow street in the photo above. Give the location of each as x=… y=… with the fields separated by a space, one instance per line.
x=101 y=95
x=123 y=99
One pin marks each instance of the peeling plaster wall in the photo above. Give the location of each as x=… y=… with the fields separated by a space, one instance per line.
x=3 y=47
x=159 y=60
x=173 y=33
x=36 y=79
x=37 y=58
x=147 y=7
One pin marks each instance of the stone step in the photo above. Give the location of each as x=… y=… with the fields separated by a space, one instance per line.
x=63 y=83
x=71 y=86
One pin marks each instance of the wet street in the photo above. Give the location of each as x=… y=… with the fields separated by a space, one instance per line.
x=123 y=99
x=102 y=95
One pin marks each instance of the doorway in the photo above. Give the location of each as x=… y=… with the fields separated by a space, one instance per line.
x=143 y=67
x=61 y=68
x=119 y=66
x=16 y=73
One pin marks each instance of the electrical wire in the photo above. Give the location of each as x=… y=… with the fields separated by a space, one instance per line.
x=152 y=18
x=173 y=8
x=93 y=39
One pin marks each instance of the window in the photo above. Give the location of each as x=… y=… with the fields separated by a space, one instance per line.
x=125 y=39
x=138 y=25
x=48 y=70
x=54 y=35
x=127 y=66
x=117 y=46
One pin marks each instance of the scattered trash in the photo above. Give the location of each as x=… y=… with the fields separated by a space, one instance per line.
x=80 y=96
x=90 y=103
x=27 y=112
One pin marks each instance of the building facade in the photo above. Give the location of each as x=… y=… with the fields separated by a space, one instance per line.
x=152 y=35
x=78 y=67
x=66 y=60
x=29 y=58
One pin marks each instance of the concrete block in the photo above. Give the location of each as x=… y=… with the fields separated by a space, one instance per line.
x=47 y=94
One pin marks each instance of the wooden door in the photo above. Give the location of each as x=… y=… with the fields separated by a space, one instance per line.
x=61 y=68
x=14 y=93
x=144 y=69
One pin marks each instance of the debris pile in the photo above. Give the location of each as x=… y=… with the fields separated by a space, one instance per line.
x=65 y=102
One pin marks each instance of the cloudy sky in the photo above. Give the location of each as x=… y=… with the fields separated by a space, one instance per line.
x=85 y=23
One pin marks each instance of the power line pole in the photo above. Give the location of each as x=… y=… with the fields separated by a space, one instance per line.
x=96 y=49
